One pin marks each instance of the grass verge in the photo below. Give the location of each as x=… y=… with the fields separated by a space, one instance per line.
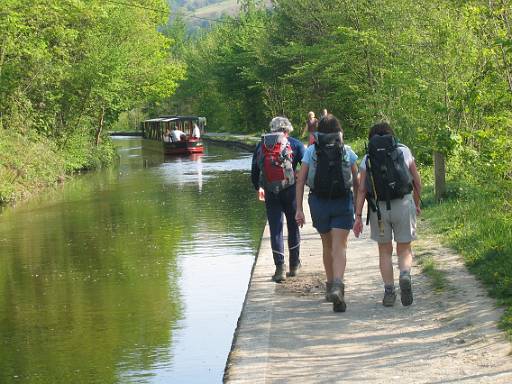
x=477 y=222
x=429 y=268
x=29 y=164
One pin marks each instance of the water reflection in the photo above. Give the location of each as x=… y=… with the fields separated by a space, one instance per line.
x=135 y=274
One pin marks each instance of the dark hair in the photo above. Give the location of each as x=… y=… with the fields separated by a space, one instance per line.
x=382 y=128
x=329 y=124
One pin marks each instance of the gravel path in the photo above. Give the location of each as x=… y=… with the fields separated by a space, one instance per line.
x=288 y=333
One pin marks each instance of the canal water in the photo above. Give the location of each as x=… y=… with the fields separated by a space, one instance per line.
x=135 y=274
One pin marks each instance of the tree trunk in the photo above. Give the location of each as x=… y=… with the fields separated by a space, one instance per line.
x=439 y=175
x=99 y=129
x=2 y=55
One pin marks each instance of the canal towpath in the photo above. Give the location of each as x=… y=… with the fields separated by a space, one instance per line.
x=288 y=332
x=235 y=140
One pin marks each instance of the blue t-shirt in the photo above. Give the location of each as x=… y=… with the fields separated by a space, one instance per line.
x=310 y=159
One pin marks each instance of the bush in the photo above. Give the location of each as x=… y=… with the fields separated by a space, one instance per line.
x=30 y=162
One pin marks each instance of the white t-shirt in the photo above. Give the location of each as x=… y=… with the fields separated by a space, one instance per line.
x=176 y=135
x=196 y=132
x=408 y=158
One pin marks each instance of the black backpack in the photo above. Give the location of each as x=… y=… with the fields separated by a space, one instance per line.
x=333 y=176
x=387 y=174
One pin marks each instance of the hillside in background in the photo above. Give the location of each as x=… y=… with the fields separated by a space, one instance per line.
x=204 y=6
x=196 y=11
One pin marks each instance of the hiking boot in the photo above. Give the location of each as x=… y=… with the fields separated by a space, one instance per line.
x=405 y=288
x=389 y=297
x=294 y=270
x=279 y=275
x=328 y=288
x=337 y=296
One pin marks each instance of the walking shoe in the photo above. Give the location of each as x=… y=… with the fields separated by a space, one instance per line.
x=405 y=288
x=328 y=288
x=294 y=270
x=389 y=297
x=279 y=274
x=337 y=296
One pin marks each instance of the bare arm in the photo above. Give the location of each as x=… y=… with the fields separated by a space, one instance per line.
x=299 y=194
x=355 y=183
x=416 y=185
x=361 y=195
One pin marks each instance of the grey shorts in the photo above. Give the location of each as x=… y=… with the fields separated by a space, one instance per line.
x=399 y=222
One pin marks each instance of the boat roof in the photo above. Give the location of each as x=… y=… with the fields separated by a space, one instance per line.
x=167 y=118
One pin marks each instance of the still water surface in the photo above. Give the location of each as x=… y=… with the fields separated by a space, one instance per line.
x=131 y=275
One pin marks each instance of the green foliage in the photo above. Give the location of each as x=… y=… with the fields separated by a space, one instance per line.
x=439 y=71
x=67 y=65
x=477 y=221
x=29 y=163
x=80 y=153
x=26 y=165
x=69 y=68
x=129 y=121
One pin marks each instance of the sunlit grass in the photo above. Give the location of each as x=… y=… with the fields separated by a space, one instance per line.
x=477 y=222
x=430 y=268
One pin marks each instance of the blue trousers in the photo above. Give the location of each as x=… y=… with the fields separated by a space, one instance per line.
x=278 y=206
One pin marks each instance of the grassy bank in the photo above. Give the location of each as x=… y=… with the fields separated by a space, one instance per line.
x=29 y=164
x=477 y=222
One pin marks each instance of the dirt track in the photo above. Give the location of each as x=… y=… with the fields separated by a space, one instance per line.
x=288 y=333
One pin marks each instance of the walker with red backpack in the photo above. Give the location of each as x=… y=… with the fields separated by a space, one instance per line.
x=275 y=162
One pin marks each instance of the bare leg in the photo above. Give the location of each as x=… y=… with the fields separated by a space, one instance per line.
x=404 y=252
x=339 y=252
x=327 y=254
x=386 y=262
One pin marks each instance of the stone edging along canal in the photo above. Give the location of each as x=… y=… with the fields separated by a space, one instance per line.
x=231 y=142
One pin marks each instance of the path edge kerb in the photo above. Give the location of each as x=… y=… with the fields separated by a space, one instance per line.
x=228 y=365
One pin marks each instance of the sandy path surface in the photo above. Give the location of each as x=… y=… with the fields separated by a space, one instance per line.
x=288 y=333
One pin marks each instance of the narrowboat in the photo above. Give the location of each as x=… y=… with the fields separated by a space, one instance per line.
x=175 y=135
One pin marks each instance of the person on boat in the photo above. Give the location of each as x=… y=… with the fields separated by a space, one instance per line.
x=176 y=134
x=167 y=135
x=329 y=169
x=310 y=127
x=273 y=175
x=196 y=132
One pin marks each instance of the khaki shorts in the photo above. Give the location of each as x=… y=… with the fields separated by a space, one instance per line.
x=399 y=222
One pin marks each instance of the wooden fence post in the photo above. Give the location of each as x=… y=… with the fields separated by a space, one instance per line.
x=439 y=175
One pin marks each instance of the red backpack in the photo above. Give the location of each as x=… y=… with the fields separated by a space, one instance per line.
x=276 y=162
